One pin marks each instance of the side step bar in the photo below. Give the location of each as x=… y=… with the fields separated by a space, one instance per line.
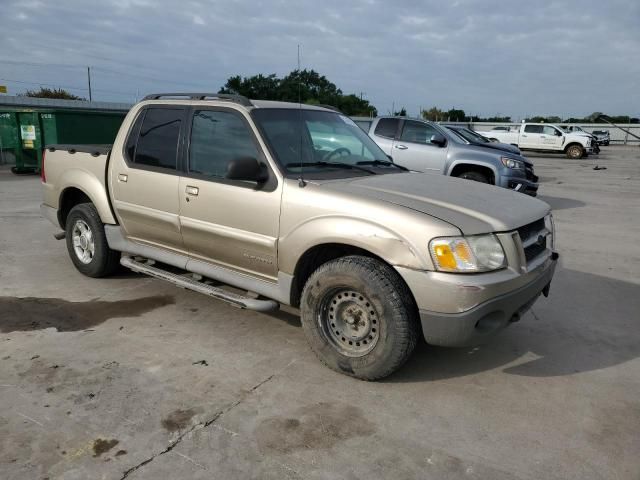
x=234 y=299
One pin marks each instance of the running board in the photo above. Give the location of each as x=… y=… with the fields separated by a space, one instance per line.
x=234 y=299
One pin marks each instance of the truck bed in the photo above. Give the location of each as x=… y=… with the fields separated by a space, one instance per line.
x=75 y=166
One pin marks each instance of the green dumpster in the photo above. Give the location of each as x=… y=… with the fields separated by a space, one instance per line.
x=9 y=137
x=24 y=132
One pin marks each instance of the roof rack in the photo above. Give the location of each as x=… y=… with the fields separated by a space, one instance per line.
x=242 y=100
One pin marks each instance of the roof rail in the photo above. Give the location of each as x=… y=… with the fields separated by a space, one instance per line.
x=242 y=100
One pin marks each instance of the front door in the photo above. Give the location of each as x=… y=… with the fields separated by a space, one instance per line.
x=145 y=178
x=230 y=223
x=415 y=151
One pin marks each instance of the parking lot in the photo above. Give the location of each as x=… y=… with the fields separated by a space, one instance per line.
x=130 y=377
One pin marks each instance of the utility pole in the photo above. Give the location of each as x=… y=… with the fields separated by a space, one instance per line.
x=89 y=80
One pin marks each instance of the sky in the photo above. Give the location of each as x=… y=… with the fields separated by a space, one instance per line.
x=487 y=57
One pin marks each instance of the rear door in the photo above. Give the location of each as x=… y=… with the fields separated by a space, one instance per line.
x=531 y=136
x=414 y=150
x=385 y=132
x=230 y=223
x=145 y=178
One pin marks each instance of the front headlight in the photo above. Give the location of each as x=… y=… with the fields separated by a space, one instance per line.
x=550 y=225
x=478 y=253
x=512 y=163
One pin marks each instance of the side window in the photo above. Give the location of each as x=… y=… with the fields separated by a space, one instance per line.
x=158 y=140
x=132 y=139
x=387 y=127
x=417 y=132
x=547 y=130
x=533 y=128
x=217 y=138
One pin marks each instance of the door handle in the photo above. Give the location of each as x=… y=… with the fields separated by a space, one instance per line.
x=400 y=147
x=123 y=177
x=523 y=135
x=193 y=191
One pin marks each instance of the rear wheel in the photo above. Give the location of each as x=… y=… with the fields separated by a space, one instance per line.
x=87 y=242
x=475 y=176
x=575 y=151
x=359 y=317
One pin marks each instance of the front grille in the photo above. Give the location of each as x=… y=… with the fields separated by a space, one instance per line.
x=528 y=170
x=530 y=232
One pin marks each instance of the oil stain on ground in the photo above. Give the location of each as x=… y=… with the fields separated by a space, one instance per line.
x=178 y=420
x=32 y=313
x=101 y=446
x=317 y=426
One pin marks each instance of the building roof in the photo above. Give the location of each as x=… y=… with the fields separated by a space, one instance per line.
x=54 y=103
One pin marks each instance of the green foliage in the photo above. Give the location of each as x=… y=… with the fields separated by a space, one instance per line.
x=401 y=113
x=51 y=93
x=456 y=115
x=306 y=86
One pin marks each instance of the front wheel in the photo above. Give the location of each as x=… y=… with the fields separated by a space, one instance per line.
x=359 y=317
x=475 y=176
x=575 y=151
x=87 y=242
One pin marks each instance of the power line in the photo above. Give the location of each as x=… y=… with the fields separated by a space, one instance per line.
x=68 y=87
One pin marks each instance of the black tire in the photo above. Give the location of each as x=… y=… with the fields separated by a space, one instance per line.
x=390 y=317
x=575 y=151
x=475 y=176
x=103 y=261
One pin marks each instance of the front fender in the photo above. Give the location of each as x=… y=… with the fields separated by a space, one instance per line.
x=92 y=188
x=338 y=229
x=479 y=163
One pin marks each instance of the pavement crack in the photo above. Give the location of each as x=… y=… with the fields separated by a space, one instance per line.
x=197 y=426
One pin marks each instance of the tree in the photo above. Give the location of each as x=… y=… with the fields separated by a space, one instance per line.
x=454 y=115
x=434 y=114
x=306 y=86
x=51 y=93
x=401 y=113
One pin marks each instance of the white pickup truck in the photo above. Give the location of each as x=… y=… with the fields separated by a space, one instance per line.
x=545 y=137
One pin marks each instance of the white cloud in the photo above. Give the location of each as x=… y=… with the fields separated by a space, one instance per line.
x=516 y=58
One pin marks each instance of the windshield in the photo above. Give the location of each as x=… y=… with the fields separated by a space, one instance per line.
x=321 y=141
x=470 y=135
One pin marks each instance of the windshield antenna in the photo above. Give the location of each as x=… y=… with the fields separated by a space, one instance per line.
x=301 y=182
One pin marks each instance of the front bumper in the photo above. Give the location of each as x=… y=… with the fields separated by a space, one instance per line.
x=528 y=186
x=496 y=302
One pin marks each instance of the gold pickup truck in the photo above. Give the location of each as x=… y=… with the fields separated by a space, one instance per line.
x=294 y=204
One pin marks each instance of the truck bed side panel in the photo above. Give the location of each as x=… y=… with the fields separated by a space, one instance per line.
x=85 y=169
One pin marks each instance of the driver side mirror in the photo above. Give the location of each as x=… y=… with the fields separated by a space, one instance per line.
x=246 y=168
x=438 y=139
x=558 y=133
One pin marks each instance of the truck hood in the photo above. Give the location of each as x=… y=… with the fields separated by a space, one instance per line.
x=472 y=207
x=504 y=147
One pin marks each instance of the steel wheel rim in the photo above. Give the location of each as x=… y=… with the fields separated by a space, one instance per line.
x=83 y=243
x=349 y=321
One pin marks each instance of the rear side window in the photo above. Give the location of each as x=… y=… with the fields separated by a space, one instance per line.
x=217 y=138
x=533 y=128
x=157 y=144
x=387 y=127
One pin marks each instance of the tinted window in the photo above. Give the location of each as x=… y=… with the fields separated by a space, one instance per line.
x=417 y=132
x=533 y=128
x=387 y=127
x=217 y=138
x=133 y=137
x=158 y=140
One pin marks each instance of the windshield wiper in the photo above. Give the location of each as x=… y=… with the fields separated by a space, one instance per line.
x=382 y=162
x=347 y=166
